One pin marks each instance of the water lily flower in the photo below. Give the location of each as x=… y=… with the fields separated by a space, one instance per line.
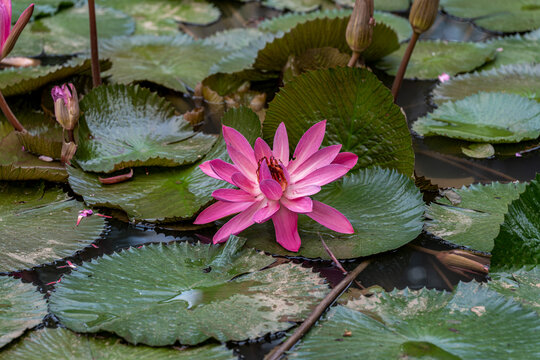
x=66 y=105
x=8 y=35
x=273 y=186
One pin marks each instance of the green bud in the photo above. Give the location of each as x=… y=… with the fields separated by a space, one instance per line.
x=423 y=14
x=360 y=27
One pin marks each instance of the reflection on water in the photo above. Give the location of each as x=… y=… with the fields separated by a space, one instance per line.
x=193 y=298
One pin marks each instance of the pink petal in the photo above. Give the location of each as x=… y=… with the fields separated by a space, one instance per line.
x=222 y=169
x=207 y=169
x=309 y=143
x=236 y=140
x=330 y=217
x=244 y=183
x=233 y=195
x=262 y=150
x=265 y=213
x=264 y=171
x=9 y=42
x=237 y=223
x=295 y=191
x=321 y=158
x=220 y=209
x=5 y=21
x=286 y=226
x=247 y=166
x=271 y=189
x=346 y=159
x=301 y=205
x=324 y=175
x=281 y=144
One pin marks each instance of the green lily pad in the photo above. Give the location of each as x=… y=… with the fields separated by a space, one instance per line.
x=22 y=308
x=497 y=15
x=60 y=343
x=360 y=114
x=521 y=285
x=473 y=219
x=129 y=126
x=201 y=281
x=473 y=322
x=314 y=59
x=294 y=5
x=523 y=79
x=68 y=31
x=319 y=33
x=41 y=9
x=478 y=150
x=434 y=57
x=515 y=49
x=384 y=5
x=399 y=24
x=518 y=243
x=484 y=117
x=39 y=226
x=384 y=207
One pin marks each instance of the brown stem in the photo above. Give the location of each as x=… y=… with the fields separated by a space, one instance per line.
x=337 y=263
x=96 y=77
x=278 y=352
x=423 y=249
x=441 y=274
x=9 y=114
x=354 y=58
x=403 y=66
x=71 y=136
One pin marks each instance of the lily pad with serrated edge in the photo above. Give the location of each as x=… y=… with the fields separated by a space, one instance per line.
x=497 y=15
x=41 y=9
x=515 y=49
x=128 y=126
x=484 y=117
x=383 y=5
x=434 y=57
x=39 y=226
x=522 y=79
x=22 y=308
x=384 y=207
x=473 y=322
x=360 y=113
x=200 y=281
x=521 y=285
x=474 y=221
x=61 y=343
x=294 y=5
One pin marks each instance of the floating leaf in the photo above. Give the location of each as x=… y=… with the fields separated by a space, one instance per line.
x=497 y=15
x=515 y=49
x=39 y=226
x=22 y=308
x=60 y=343
x=384 y=5
x=518 y=243
x=112 y=294
x=433 y=57
x=384 y=207
x=360 y=111
x=521 y=79
x=478 y=151
x=314 y=59
x=471 y=323
x=42 y=8
x=399 y=24
x=521 y=285
x=294 y=5
x=474 y=221
x=484 y=117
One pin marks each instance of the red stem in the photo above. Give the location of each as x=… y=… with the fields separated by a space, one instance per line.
x=403 y=66
x=9 y=114
x=96 y=78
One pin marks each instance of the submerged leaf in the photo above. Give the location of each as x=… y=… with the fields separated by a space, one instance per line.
x=478 y=151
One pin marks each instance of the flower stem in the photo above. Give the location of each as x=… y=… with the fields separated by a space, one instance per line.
x=354 y=58
x=403 y=66
x=96 y=77
x=9 y=114
x=278 y=352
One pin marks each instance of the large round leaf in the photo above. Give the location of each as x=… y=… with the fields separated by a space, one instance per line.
x=383 y=206
x=294 y=5
x=384 y=5
x=523 y=79
x=474 y=221
x=521 y=285
x=207 y=291
x=360 y=114
x=432 y=58
x=515 y=49
x=127 y=126
x=497 y=15
x=471 y=323
x=60 y=343
x=484 y=117
x=518 y=243
x=22 y=308
x=42 y=8
x=39 y=226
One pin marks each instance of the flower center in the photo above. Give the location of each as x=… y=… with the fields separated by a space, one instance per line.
x=276 y=170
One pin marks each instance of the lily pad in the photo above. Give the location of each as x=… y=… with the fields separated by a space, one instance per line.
x=201 y=281
x=22 y=308
x=294 y=5
x=523 y=79
x=497 y=15
x=384 y=207
x=484 y=117
x=384 y=5
x=39 y=226
x=473 y=322
x=478 y=150
x=515 y=49
x=474 y=219
x=129 y=126
x=41 y=9
x=314 y=59
x=399 y=24
x=434 y=57
x=521 y=285
x=60 y=343
x=360 y=114
x=319 y=33
x=518 y=243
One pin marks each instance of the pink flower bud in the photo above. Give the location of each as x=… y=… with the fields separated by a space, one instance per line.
x=66 y=105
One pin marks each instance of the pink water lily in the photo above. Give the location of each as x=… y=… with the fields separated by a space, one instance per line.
x=9 y=36
x=272 y=186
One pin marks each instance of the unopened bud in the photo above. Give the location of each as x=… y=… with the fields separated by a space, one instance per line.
x=464 y=261
x=66 y=105
x=423 y=14
x=360 y=28
x=68 y=151
x=8 y=37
